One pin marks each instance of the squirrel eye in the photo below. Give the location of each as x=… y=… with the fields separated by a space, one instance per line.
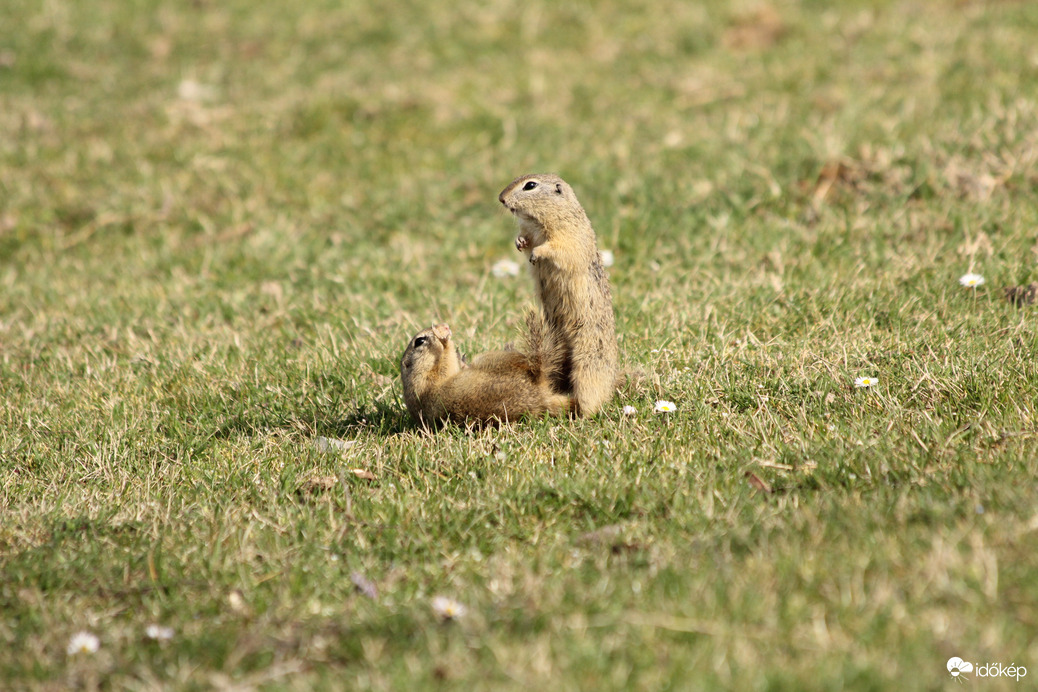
x=420 y=340
x=530 y=185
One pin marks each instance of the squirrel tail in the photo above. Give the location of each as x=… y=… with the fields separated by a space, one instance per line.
x=543 y=352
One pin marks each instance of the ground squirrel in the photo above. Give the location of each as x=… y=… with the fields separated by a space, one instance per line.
x=571 y=284
x=502 y=385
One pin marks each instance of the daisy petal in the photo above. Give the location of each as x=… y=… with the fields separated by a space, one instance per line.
x=447 y=608
x=83 y=643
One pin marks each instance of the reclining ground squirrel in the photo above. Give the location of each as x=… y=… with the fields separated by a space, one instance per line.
x=571 y=284
x=502 y=385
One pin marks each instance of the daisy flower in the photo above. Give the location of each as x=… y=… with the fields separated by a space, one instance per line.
x=630 y=410
x=607 y=258
x=664 y=406
x=83 y=643
x=190 y=90
x=158 y=633
x=505 y=268
x=863 y=382
x=971 y=280
x=447 y=608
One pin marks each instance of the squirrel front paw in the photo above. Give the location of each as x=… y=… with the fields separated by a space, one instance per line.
x=534 y=256
x=521 y=243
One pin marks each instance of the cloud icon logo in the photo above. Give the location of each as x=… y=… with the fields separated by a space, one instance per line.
x=956 y=666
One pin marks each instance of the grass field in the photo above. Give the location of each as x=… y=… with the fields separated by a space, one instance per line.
x=220 y=223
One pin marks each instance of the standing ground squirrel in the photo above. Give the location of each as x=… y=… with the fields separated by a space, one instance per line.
x=571 y=284
x=503 y=385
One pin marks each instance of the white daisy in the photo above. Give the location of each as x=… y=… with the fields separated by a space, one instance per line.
x=158 y=632
x=630 y=410
x=83 y=643
x=607 y=258
x=505 y=268
x=664 y=406
x=862 y=382
x=190 y=90
x=971 y=280
x=447 y=608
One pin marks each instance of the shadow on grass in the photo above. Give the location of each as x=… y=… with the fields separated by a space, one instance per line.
x=195 y=436
x=382 y=419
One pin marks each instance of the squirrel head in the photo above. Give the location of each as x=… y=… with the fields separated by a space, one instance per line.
x=532 y=196
x=545 y=205
x=430 y=358
x=424 y=350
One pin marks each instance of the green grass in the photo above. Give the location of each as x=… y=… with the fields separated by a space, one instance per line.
x=221 y=222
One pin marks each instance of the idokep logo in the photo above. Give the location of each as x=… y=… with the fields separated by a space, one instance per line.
x=958 y=668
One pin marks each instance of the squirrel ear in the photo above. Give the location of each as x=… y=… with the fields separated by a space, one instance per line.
x=558 y=188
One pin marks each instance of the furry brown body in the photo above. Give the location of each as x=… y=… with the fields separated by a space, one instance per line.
x=501 y=385
x=571 y=284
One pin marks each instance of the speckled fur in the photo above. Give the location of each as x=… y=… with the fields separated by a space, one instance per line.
x=571 y=284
